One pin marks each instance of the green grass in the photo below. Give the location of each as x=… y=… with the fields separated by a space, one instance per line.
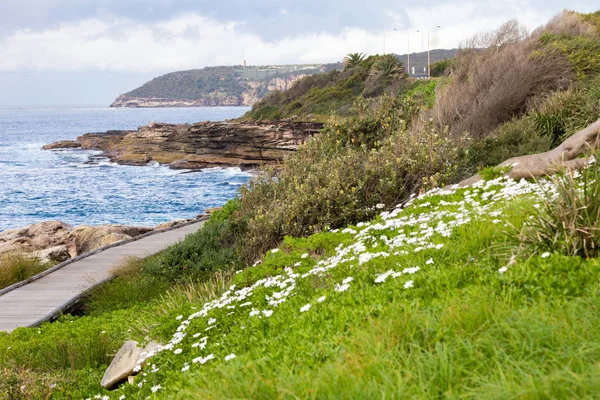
x=464 y=330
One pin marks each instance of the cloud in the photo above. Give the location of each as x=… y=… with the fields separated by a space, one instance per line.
x=194 y=40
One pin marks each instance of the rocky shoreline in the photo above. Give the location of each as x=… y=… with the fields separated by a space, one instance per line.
x=200 y=145
x=56 y=241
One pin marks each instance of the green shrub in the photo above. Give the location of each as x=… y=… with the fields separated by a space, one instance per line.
x=490 y=173
x=563 y=113
x=225 y=213
x=515 y=138
x=568 y=221
x=341 y=176
x=199 y=254
x=439 y=68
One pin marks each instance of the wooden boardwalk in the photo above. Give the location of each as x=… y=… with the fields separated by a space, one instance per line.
x=49 y=294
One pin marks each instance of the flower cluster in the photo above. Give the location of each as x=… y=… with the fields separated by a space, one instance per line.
x=419 y=225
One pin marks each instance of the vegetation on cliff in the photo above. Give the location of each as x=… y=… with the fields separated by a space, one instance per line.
x=222 y=85
x=358 y=278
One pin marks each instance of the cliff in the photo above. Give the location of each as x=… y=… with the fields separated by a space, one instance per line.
x=200 y=145
x=217 y=86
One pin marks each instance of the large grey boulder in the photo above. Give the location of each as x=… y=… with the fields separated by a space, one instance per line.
x=122 y=365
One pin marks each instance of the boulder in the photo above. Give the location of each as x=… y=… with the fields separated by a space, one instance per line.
x=84 y=238
x=123 y=365
x=167 y=225
x=53 y=254
x=63 y=144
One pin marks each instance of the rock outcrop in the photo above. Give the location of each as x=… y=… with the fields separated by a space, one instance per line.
x=125 y=362
x=201 y=145
x=55 y=241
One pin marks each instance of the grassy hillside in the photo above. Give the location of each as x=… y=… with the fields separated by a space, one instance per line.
x=427 y=300
x=347 y=274
x=334 y=92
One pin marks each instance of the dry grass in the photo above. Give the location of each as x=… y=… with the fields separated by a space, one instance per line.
x=16 y=267
x=494 y=78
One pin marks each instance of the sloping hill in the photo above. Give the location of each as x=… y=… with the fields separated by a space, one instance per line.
x=217 y=86
x=239 y=86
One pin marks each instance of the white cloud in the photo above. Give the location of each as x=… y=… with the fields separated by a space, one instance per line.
x=193 y=41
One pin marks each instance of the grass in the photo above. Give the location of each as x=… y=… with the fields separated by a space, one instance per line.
x=15 y=268
x=463 y=330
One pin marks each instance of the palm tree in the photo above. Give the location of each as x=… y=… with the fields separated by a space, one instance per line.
x=389 y=66
x=353 y=59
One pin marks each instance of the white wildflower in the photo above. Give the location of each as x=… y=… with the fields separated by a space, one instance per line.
x=179 y=317
x=177 y=351
x=267 y=313
x=546 y=255
x=408 y=284
x=230 y=357
x=305 y=308
x=503 y=270
x=341 y=288
x=274 y=251
x=156 y=388
x=321 y=299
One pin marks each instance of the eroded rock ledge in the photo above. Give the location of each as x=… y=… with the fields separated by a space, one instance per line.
x=200 y=145
x=57 y=241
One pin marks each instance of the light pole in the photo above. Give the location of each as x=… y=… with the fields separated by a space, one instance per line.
x=385 y=33
x=408 y=50
x=428 y=50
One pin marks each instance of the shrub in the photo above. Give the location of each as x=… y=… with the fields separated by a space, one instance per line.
x=439 y=68
x=342 y=175
x=564 y=113
x=514 y=138
x=208 y=250
x=568 y=221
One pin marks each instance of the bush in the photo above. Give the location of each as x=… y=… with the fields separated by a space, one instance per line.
x=491 y=86
x=514 y=138
x=439 y=68
x=341 y=176
x=209 y=250
x=568 y=221
x=564 y=113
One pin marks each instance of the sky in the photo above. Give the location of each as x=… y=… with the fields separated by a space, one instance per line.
x=69 y=52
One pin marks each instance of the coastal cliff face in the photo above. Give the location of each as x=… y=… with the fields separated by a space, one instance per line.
x=201 y=145
x=212 y=100
x=217 y=86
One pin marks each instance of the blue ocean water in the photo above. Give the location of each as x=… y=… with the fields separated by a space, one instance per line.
x=37 y=185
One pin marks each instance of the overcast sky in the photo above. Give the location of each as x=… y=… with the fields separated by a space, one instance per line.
x=89 y=51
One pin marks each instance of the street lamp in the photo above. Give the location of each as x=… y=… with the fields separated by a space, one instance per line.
x=408 y=49
x=384 y=33
x=428 y=57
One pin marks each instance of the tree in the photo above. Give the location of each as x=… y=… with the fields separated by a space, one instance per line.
x=353 y=59
x=388 y=66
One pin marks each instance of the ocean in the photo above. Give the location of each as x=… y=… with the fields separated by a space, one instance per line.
x=38 y=185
